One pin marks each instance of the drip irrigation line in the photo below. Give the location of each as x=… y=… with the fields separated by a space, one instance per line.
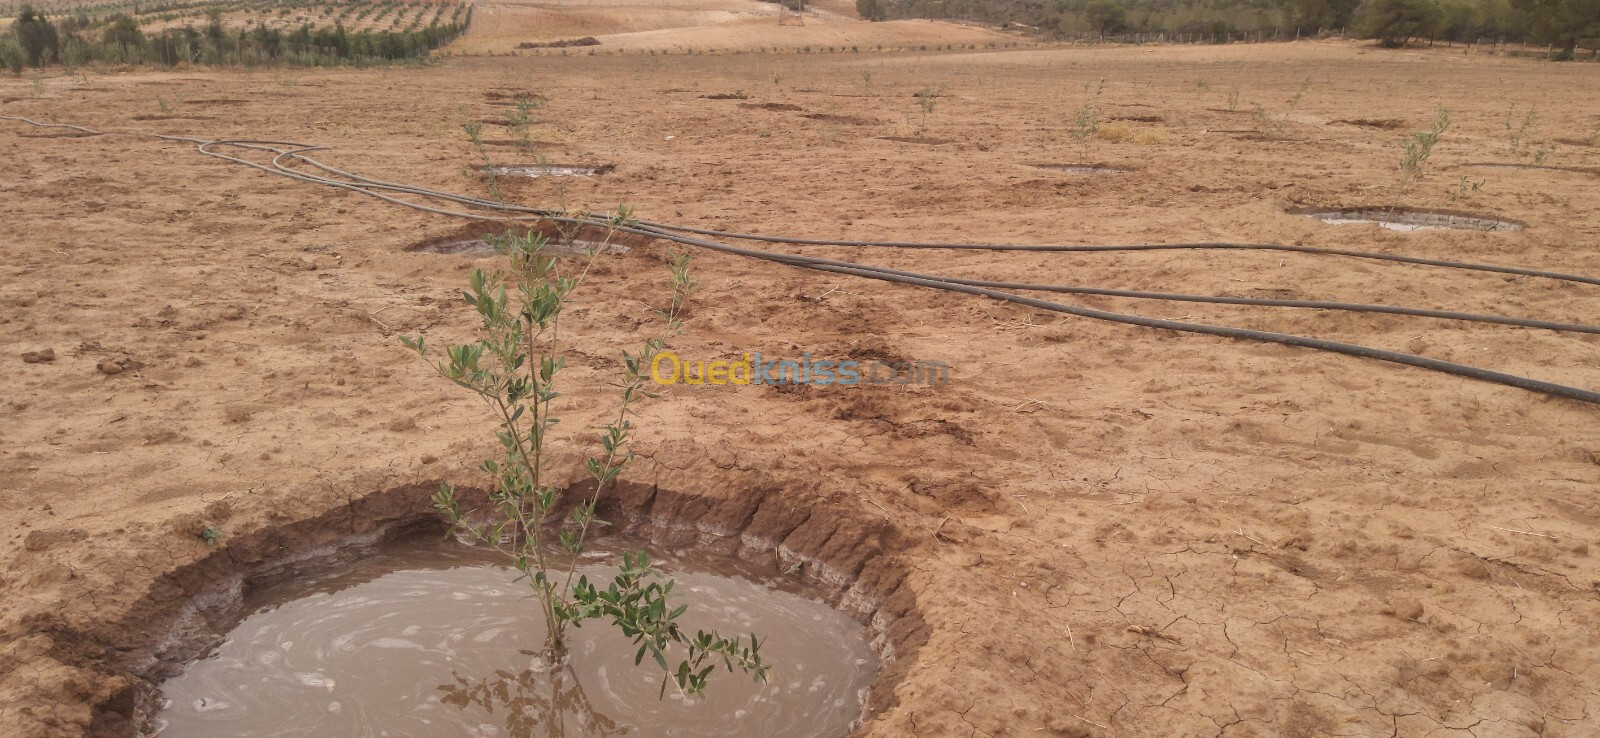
x=1354 y=307
x=43 y=124
x=1339 y=347
x=1204 y=245
x=286 y=152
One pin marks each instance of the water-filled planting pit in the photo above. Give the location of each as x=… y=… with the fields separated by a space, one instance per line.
x=475 y=240
x=1405 y=219
x=368 y=619
x=550 y=170
x=1081 y=168
x=423 y=637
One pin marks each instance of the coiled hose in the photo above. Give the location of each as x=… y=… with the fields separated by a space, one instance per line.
x=286 y=152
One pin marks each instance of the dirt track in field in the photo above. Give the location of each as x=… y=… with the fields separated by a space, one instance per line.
x=1092 y=530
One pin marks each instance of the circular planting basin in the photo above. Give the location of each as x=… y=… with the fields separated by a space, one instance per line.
x=1081 y=168
x=550 y=170
x=368 y=619
x=916 y=140
x=1387 y=124
x=1403 y=219
x=1540 y=167
x=423 y=637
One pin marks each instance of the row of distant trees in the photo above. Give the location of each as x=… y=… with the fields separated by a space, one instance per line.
x=36 y=40
x=1566 y=24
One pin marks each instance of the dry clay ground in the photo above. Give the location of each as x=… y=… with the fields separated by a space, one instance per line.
x=1092 y=530
x=682 y=26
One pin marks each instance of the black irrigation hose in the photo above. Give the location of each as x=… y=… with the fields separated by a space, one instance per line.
x=1353 y=307
x=284 y=150
x=1339 y=347
x=1205 y=245
x=1176 y=297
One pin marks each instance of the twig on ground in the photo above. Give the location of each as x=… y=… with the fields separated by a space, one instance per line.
x=1523 y=532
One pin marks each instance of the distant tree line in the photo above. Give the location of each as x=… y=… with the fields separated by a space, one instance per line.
x=1565 y=24
x=37 y=41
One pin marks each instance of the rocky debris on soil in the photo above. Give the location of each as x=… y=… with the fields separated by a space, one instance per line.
x=196 y=524
x=40 y=540
x=43 y=356
x=1405 y=609
x=401 y=425
x=119 y=365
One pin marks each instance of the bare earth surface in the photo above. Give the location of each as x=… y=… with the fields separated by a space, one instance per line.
x=680 y=26
x=1092 y=530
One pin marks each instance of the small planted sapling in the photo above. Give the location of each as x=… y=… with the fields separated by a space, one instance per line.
x=1517 y=132
x=1086 y=121
x=541 y=527
x=522 y=119
x=928 y=99
x=474 y=131
x=1465 y=188
x=1274 y=126
x=1521 y=136
x=1418 y=148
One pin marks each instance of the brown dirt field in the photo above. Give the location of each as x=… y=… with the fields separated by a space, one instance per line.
x=1093 y=530
x=702 y=25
